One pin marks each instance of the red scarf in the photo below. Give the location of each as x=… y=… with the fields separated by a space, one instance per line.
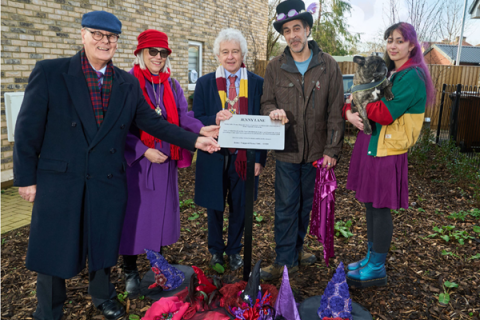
x=168 y=102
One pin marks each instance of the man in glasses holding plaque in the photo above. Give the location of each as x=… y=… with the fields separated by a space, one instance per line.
x=304 y=89
x=69 y=160
x=232 y=89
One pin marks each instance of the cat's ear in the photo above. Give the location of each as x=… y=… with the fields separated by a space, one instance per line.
x=359 y=60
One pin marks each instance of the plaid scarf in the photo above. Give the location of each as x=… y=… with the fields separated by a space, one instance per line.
x=241 y=161
x=99 y=99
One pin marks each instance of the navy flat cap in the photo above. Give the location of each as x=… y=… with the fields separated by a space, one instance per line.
x=102 y=20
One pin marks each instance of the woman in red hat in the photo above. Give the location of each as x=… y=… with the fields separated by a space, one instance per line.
x=152 y=218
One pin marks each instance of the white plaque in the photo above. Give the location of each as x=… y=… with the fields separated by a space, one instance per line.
x=252 y=132
x=13 y=102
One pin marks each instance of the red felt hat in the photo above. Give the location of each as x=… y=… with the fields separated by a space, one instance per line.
x=152 y=39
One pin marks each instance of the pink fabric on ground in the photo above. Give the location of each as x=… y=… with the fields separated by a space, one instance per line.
x=167 y=305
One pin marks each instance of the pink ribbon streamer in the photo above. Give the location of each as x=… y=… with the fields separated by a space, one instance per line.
x=323 y=211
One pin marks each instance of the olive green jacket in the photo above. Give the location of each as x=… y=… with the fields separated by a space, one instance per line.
x=313 y=105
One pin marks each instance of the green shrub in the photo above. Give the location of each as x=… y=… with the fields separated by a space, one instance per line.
x=343 y=228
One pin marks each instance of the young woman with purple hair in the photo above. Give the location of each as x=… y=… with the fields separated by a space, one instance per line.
x=379 y=164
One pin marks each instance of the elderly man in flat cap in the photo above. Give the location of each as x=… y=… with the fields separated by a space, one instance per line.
x=69 y=159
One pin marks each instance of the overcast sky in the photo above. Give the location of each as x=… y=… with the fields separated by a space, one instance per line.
x=368 y=19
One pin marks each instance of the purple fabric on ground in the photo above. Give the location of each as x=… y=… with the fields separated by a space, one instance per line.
x=323 y=210
x=380 y=180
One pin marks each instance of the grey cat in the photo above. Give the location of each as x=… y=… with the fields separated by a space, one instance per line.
x=370 y=84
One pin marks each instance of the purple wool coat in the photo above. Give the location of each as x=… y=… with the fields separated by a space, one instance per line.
x=152 y=217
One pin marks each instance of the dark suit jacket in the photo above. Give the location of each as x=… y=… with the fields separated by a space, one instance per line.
x=209 y=167
x=79 y=170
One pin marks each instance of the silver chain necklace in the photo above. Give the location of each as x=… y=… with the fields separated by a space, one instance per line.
x=157 y=100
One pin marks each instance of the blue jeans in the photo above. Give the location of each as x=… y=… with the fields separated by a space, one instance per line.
x=294 y=188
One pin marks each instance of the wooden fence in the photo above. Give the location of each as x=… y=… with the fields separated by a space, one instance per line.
x=347 y=67
x=451 y=75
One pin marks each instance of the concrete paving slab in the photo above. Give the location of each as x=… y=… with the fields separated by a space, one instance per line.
x=16 y=212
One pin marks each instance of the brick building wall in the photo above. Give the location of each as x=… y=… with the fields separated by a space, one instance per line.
x=34 y=30
x=435 y=57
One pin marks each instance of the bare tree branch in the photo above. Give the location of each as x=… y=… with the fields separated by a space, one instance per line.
x=425 y=17
x=272 y=34
x=451 y=20
x=392 y=13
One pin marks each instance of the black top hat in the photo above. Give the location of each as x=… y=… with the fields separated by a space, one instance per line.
x=293 y=10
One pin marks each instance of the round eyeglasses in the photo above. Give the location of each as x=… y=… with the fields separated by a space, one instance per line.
x=97 y=36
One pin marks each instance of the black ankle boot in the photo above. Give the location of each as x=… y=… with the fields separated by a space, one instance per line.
x=112 y=309
x=132 y=277
x=132 y=282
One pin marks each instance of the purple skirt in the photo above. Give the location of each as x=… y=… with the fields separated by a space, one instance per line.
x=382 y=181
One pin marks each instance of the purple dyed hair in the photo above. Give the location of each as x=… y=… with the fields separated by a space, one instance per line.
x=416 y=56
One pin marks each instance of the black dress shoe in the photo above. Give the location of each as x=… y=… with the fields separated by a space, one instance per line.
x=132 y=283
x=236 y=261
x=217 y=258
x=112 y=309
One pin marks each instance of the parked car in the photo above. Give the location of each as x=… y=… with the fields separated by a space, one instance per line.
x=347 y=85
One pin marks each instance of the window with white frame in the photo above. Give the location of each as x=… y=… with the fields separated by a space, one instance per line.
x=194 y=63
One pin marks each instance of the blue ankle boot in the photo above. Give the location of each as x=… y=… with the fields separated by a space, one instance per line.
x=372 y=274
x=363 y=262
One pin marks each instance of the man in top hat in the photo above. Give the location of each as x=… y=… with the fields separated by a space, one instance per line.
x=303 y=88
x=69 y=160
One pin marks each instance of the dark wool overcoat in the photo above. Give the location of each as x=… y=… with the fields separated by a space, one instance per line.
x=209 y=178
x=79 y=169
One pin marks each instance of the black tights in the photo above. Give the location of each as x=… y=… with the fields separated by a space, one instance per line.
x=379 y=227
x=130 y=262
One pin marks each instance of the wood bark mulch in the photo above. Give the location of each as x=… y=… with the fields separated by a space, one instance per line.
x=417 y=265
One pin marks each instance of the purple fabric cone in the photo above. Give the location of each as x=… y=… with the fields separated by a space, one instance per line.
x=336 y=300
x=285 y=305
x=322 y=222
x=166 y=276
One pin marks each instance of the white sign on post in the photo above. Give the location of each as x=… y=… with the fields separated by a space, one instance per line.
x=13 y=102
x=252 y=132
